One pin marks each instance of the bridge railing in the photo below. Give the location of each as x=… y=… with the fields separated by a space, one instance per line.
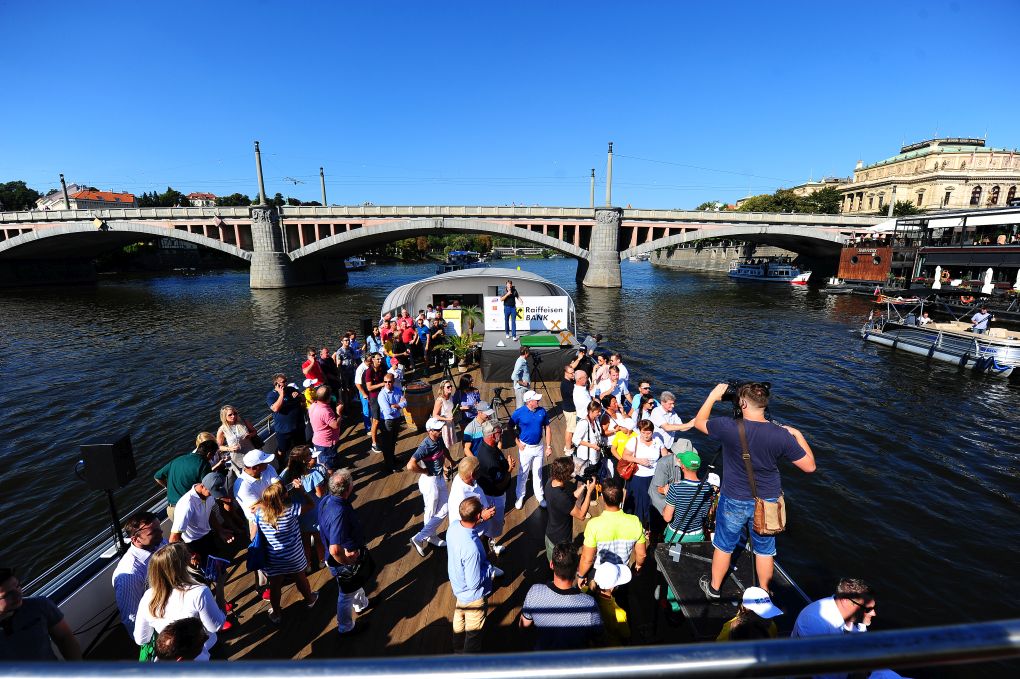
x=451 y=211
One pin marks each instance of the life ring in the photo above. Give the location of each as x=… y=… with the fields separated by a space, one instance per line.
x=967 y=299
x=945 y=277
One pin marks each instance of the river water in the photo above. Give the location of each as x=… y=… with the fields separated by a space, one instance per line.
x=917 y=489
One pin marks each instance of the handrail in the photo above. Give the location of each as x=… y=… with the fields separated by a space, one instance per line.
x=920 y=647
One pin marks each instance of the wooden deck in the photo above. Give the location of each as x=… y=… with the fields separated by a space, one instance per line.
x=411 y=601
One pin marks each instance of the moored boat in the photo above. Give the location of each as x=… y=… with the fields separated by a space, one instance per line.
x=995 y=353
x=355 y=263
x=769 y=270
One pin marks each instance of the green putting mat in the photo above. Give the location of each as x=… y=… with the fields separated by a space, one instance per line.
x=539 y=340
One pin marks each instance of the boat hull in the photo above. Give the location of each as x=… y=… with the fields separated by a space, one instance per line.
x=998 y=358
x=799 y=279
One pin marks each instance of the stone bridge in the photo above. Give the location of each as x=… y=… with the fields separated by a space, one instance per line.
x=306 y=245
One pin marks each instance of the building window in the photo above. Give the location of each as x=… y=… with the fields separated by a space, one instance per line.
x=993 y=196
x=945 y=199
x=1011 y=194
x=963 y=164
x=920 y=198
x=975 y=196
x=881 y=199
x=871 y=202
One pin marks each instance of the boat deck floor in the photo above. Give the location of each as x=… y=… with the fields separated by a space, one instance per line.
x=411 y=600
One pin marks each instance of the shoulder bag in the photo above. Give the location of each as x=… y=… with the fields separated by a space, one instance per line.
x=258 y=549
x=769 y=517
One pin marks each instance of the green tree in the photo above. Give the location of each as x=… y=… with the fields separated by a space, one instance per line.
x=234 y=200
x=902 y=208
x=711 y=205
x=17 y=196
x=761 y=203
x=278 y=200
x=823 y=201
x=169 y=198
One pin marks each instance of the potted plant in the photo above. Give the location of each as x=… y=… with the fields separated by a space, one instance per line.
x=471 y=316
x=462 y=347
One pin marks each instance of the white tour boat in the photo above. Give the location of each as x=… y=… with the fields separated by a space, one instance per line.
x=769 y=269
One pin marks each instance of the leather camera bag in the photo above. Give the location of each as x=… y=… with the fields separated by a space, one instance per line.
x=769 y=517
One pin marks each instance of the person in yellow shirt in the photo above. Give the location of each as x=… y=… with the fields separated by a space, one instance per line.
x=609 y=576
x=753 y=619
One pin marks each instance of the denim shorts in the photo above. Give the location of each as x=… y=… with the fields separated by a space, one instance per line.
x=731 y=517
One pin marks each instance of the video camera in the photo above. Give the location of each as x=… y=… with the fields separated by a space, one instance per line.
x=732 y=393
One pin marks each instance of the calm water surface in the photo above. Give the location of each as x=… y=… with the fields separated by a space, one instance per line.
x=917 y=488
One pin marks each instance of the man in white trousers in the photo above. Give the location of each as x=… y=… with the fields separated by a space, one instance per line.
x=533 y=439
x=430 y=461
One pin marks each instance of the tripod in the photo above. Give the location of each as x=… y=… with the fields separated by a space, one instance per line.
x=499 y=402
x=537 y=377
x=447 y=358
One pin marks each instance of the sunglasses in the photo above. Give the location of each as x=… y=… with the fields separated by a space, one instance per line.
x=867 y=609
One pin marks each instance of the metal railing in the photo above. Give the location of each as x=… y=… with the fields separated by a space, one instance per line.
x=921 y=647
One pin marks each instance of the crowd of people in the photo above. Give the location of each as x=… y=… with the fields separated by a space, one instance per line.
x=621 y=451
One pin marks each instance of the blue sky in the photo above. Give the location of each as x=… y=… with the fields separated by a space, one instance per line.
x=462 y=103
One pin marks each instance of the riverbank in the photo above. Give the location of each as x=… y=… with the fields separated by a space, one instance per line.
x=710 y=258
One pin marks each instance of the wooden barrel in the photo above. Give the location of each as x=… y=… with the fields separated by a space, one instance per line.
x=419 y=403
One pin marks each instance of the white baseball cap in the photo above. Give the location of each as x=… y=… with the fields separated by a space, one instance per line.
x=485 y=408
x=610 y=575
x=756 y=599
x=532 y=396
x=434 y=424
x=256 y=457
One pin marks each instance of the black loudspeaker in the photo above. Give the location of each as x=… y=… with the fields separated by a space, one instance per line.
x=108 y=465
x=366 y=328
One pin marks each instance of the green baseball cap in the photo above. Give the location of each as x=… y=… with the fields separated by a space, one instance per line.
x=689 y=459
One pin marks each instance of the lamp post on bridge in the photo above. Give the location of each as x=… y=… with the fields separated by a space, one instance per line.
x=593 y=188
x=322 y=183
x=63 y=185
x=258 y=170
x=609 y=177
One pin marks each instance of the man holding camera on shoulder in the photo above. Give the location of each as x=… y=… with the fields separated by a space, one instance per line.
x=766 y=444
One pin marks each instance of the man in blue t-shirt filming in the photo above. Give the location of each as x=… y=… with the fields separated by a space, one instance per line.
x=767 y=443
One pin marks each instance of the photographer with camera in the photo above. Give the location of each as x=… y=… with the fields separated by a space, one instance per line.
x=589 y=440
x=766 y=444
x=567 y=501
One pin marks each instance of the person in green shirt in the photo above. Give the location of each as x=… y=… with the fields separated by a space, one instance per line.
x=184 y=471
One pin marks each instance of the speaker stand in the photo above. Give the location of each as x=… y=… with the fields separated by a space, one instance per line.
x=118 y=540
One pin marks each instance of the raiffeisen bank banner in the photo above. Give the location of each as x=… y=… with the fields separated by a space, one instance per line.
x=533 y=313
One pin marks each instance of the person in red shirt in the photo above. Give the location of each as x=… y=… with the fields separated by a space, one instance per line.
x=311 y=367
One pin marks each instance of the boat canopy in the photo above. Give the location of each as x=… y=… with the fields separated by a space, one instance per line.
x=480 y=282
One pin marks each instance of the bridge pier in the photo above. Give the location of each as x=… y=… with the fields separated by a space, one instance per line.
x=603 y=266
x=271 y=267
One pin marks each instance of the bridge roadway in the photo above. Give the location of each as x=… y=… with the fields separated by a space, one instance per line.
x=305 y=245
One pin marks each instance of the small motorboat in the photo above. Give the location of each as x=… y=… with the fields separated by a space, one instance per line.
x=769 y=270
x=355 y=263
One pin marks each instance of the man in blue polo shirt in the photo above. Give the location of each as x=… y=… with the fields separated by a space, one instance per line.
x=533 y=438
x=348 y=562
x=287 y=406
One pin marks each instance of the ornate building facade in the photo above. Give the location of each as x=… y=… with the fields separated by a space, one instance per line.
x=936 y=174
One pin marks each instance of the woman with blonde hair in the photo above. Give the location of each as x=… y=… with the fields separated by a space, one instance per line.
x=216 y=462
x=279 y=519
x=234 y=437
x=174 y=594
x=443 y=410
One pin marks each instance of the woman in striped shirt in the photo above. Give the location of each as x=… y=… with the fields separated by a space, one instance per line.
x=278 y=517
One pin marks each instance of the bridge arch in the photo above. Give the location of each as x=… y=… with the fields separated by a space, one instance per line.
x=82 y=240
x=806 y=240
x=378 y=234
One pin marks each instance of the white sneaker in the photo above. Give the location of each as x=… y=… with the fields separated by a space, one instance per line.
x=496 y=549
x=497 y=572
x=437 y=542
x=508 y=337
x=419 y=545
x=520 y=503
